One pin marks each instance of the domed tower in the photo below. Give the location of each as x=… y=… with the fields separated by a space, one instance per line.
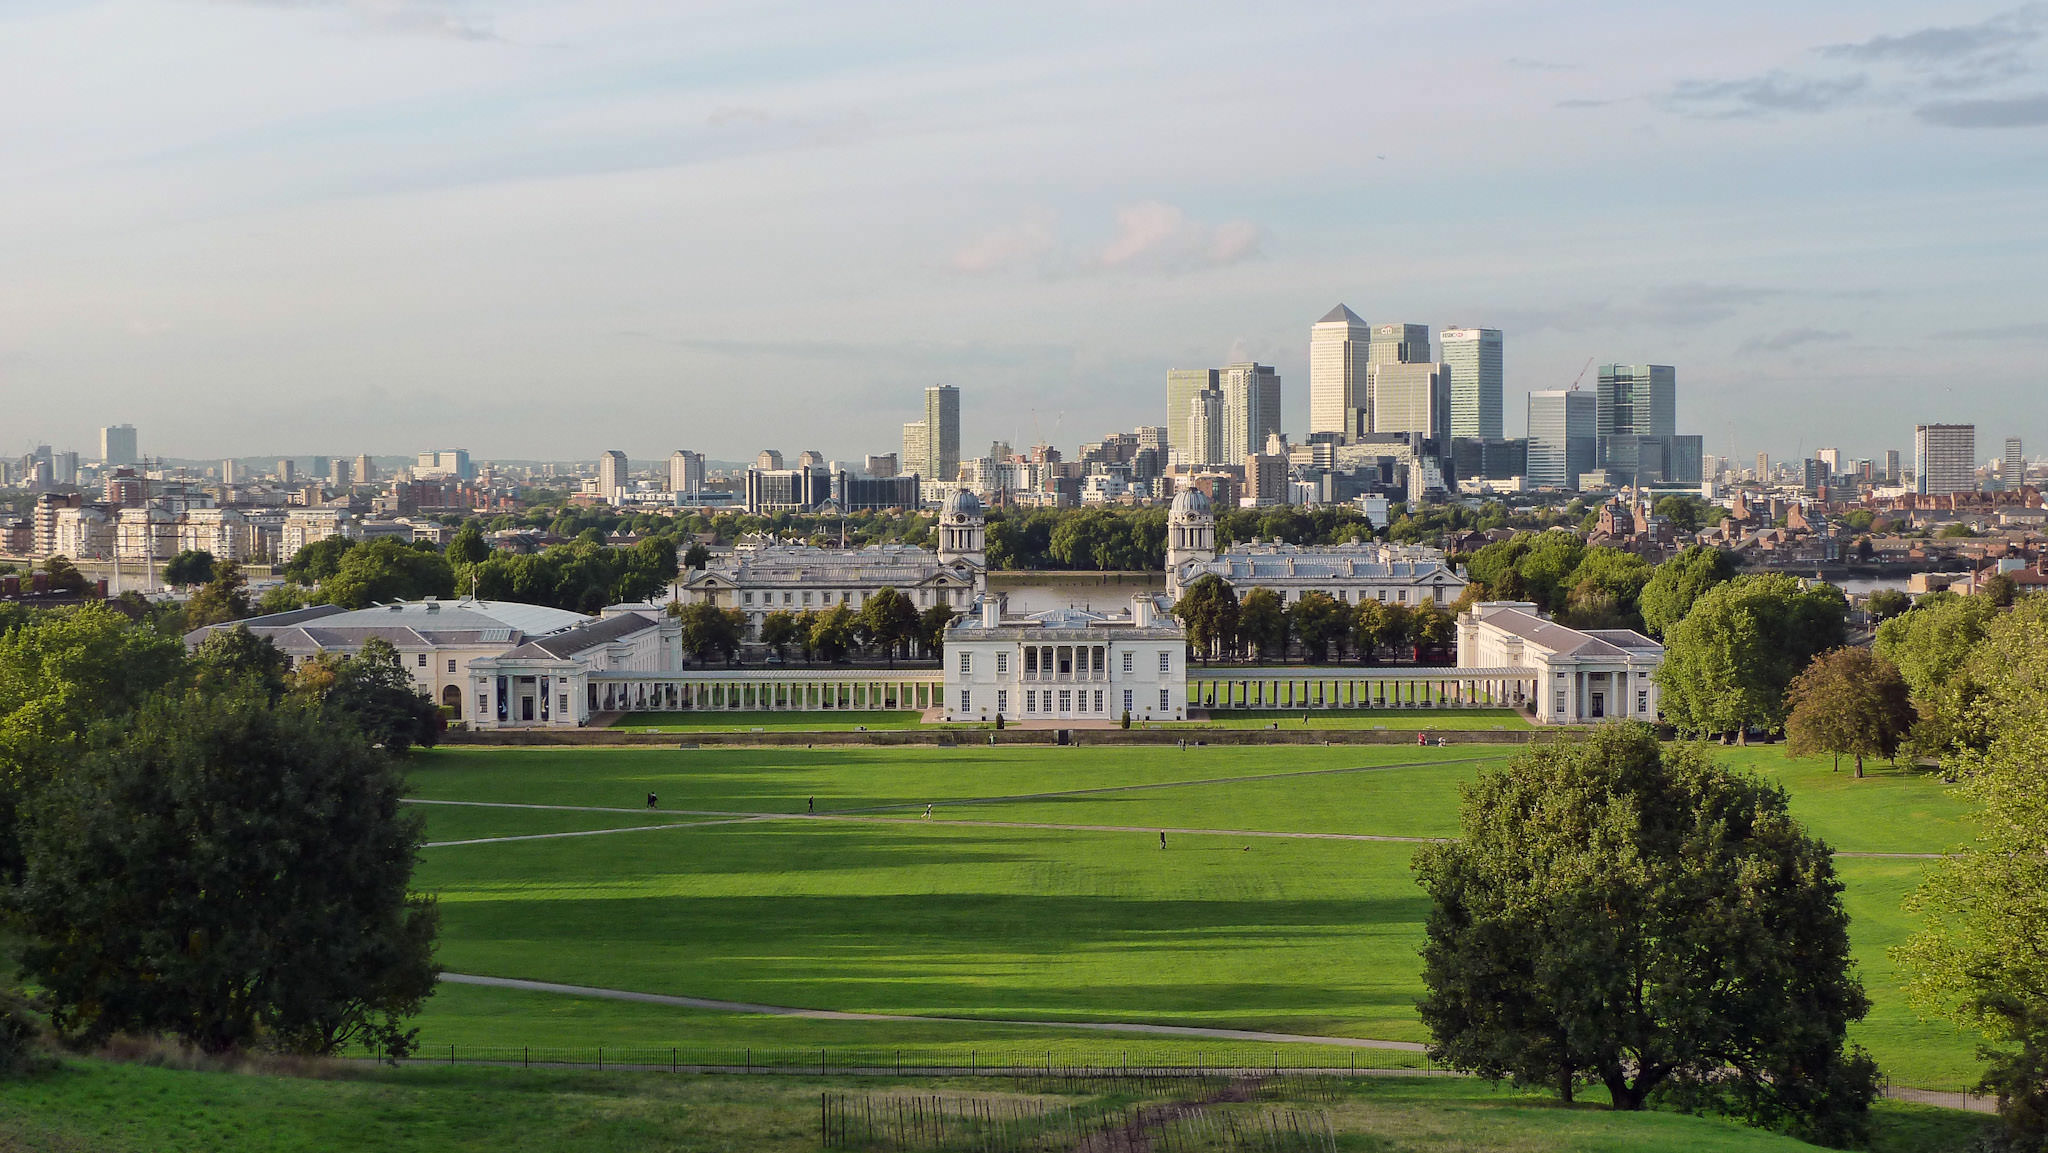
x=1190 y=529
x=963 y=530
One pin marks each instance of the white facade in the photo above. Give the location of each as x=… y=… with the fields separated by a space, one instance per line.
x=303 y=526
x=82 y=534
x=224 y=532
x=1066 y=665
x=803 y=578
x=1349 y=573
x=1577 y=676
x=1945 y=458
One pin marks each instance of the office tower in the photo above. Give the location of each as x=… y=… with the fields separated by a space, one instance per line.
x=287 y=471
x=343 y=474
x=1399 y=344
x=1891 y=466
x=1710 y=466
x=1473 y=357
x=2012 y=468
x=117 y=445
x=64 y=468
x=228 y=472
x=453 y=462
x=1152 y=436
x=1832 y=457
x=1814 y=475
x=1204 y=425
x=686 y=472
x=319 y=467
x=1338 y=351
x=1638 y=399
x=611 y=476
x=1182 y=386
x=365 y=470
x=1563 y=437
x=1763 y=466
x=942 y=432
x=1411 y=398
x=1251 y=408
x=1944 y=458
x=916 y=449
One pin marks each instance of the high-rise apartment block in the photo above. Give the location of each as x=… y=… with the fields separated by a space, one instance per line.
x=1183 y=385
x=1205 y=443
x=1944 y=458
x=1891 y=466
x=2012 y=467
x=1473 y=358
x=228 y=471
x=365 y=470
x=1763 y=466
x=1832 y=457
x=611 y=476
x=917 y=449
x=880 y=465
x=288 y=471
x=939 y=456
x=1339 y=348
x=117 y=446
x=686 y=473
x=1563 y=437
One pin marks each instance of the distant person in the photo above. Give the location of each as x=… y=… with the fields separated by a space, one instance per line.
x=1304 y=718
x=1421 y=740
x=810 y=804
x=1162 y=839
x=927 y=812
x=652 y=800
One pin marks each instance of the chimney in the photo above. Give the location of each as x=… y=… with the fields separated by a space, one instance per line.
x=991 y=611
x=1141 y=611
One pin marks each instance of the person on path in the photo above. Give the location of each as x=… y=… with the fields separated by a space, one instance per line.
x=810 y=804
x=652 y=800
x=927 y=812
x=1162 y=839
x=1421 y=740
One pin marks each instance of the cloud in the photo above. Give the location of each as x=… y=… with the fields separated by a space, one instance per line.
x=449 y=19
x=2026 y=330
x=1695 y=304
x=1528 y=65
x=1769 y=94
x=1792 y=338
x=1023 y=242
x=1155 y=235
x=1584 y=103
x=2006 y=112
x=1931 y=46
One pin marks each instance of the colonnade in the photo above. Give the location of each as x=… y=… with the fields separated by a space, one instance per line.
x=656 y=694
x=1441 y=688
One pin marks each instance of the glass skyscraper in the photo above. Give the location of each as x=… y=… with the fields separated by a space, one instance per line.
x=1473 y=358
x=1562 y=437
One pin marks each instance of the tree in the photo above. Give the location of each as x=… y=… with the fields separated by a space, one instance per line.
x=1606 y=590
x=281 y=599
x=316 y=562
x=832 y=633
x=1620 y=913
x=1671 y=590
x=1728 y=663
x=889 y=619
x=64 y=576
x=373 y=691
x=1850 y=701
x=1262 y=624
x=1370 y=622
x=1686 y=513
x=779 y=630
x=387 y=570
x=467 y=547
x=1981 y=958
x=709 y=632
x=931 y=628
x=1931 y=647
x=190 y=567
x=696 y=556
x=1208 y=609
x=1320 y=622
x=232 y=656
x=232 y=871
x=224 y=598
x=1432 y=627
x=1884 y=604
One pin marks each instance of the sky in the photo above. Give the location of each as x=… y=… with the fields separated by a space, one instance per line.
x=541 y=229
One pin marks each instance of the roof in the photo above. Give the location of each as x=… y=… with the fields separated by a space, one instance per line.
x=408 y=623
x=1340 y=313
x=1290 y=564
x=1071 y=624
x=582 y=638
x=877 y=565
x=1617 y=644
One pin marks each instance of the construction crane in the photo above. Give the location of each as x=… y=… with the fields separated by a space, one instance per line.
x=1582 y=374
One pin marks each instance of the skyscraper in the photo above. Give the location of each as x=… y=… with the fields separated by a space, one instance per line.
x=1204 y=424
x=1638 y=400
x=1563 y=441
x=117 y=445
x=1339 y=347
x=1891 y=465
x=365 y=470
x=1473 y=357
x=1944 y=458
x=686 y=473
x=1251 y=408
x=1763 y=466
x=1393 y=344
x=611 y=476
x=914 y=459
x=1182 y=386
x=2012 y=467
x=1411 y=398
x=942 y=426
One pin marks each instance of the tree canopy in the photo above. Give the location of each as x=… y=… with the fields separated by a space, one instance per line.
x=1931 y=646
x=1622 y=913
x=1678 y=582
x=1849 y=701
x=1208 y=609
x=1728 y=663
x=383 y=571
x=190 y=567
x=582 y=576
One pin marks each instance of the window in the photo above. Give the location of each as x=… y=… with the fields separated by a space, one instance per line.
x=746 y=598
x=1164 y=700
x=451 y=664
x=1095 y=661
x=1642 y=700
x=1002 y=701
x=966 y=663
x=1127 y=700
x=1031 y=661
x=1560 y=701
x=422 y=660
x=1031 y=701
x=1002 y=664
x=807 y=597
x=564 y=698
x=1166 y=661
x=965 y=696
x=1383 y=596
x=1127 y=662
x=1098 y=700
x=1066 y=701
x=1401 y=595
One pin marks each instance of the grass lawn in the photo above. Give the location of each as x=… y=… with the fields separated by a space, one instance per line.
x=1397 y=720
x=739 y=721
x=135 y=1109
x=877 y=911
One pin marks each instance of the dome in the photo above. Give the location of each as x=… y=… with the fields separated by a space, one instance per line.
x=1190 y=502
x=961 y=503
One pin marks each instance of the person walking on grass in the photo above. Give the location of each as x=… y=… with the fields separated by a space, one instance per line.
x=1162 y=840
x=810 y=804
x=927 y=812
x=652 y=800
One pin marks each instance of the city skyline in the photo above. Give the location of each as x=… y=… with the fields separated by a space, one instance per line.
x=437 y=202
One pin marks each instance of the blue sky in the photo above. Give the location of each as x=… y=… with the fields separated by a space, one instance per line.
x=545 y=229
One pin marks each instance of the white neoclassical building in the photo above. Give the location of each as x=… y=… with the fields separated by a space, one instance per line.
x=801 y=577
x=1367 y=570
x=1573 y=676
x=1066 y=665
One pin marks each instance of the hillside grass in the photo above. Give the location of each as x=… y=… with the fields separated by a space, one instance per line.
x=111 y=1108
